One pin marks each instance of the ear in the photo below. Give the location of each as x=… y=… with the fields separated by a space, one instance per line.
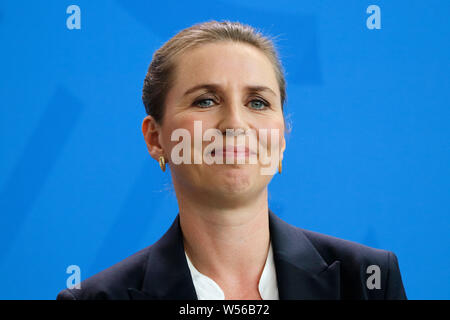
x=152 y=135
x=283 y=147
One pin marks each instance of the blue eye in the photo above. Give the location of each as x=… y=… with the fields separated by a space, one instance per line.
x=201 y=104
x=255 y=104
x=258 y=104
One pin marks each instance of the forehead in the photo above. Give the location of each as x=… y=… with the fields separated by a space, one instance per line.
x=225 y=63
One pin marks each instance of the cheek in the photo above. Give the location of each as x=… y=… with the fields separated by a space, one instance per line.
x=192 y=129
x=271 y=134
x=175 y=122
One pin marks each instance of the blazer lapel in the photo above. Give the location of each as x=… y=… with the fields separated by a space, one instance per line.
x=302 y=274
x=167 y=275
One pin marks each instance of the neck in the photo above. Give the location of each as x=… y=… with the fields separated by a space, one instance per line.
x=228 y=244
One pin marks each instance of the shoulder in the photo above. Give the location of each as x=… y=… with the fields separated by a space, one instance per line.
x=349 y=252
x=329 y=248
x=113 y=282
x=363 y=268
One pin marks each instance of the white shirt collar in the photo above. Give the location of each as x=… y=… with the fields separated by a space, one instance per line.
x=207 y=289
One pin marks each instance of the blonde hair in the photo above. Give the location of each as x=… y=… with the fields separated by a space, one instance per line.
x=161 y=70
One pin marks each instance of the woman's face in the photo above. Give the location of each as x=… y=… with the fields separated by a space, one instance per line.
x=230 y=70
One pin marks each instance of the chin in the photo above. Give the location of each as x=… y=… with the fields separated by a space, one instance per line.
x=234 y=179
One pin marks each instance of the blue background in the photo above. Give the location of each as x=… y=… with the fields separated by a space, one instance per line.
x=367 y=159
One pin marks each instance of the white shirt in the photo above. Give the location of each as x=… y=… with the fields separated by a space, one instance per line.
x=207 y=289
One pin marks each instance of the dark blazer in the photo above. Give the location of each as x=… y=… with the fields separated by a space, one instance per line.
x=308 y=265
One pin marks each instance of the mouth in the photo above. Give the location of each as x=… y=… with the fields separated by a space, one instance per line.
x=233 y=152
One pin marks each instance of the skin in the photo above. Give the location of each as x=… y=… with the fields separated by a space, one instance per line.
x=223 y=208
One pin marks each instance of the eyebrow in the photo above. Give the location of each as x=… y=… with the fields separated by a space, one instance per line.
x=215 y=87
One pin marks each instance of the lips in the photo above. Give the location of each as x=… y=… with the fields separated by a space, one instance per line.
x=232 y=151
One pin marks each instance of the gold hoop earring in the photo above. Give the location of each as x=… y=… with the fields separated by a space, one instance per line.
x=162 y=163
x=279 y=166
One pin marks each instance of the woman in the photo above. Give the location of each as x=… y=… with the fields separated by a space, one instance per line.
x=214 y=96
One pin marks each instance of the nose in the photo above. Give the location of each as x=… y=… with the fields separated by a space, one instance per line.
x=232 y=117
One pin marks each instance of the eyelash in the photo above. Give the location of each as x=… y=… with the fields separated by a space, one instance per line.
x=265 y=104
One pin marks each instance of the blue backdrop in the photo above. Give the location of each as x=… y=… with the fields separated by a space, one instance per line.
x=367 y=159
